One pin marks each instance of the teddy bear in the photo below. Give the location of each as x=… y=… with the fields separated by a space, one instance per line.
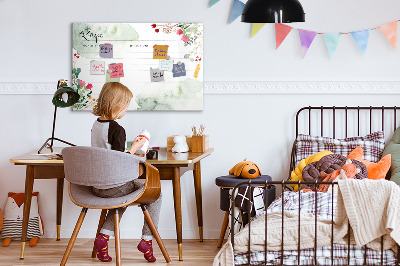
x=13 y=215
x=245 y=169
x=180 y=144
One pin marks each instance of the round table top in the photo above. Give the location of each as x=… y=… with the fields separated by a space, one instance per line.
x=230 y=181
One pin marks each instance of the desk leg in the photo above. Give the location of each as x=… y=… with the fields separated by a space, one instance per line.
x=60 y=190
x=27 y=206
x=199 y=204
x=176 y=182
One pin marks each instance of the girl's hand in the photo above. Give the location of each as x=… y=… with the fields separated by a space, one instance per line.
x=142 y=155
x=137 y=144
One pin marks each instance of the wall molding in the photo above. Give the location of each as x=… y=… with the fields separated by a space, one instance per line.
x=251 y=87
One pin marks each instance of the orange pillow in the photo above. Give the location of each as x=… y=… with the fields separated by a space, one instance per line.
x=375 y=170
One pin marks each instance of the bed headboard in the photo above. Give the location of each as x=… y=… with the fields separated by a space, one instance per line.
x=344 y=121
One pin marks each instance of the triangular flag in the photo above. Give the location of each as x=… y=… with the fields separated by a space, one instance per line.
x=390 y=32
x=332 y=41
x=213 y=2
x=256 y=28
x=361 y=37
x=306 y=39
x=281 y=31
x=237 y=9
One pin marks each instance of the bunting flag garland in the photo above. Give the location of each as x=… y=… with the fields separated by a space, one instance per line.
x=281 y=31
x=256 y=28
x=389 y=30
x=361 y=37
x=306 y=39
x=332 y=41
x=213 y=2
x=237 y=9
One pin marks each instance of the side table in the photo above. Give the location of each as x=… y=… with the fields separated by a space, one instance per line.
x=226 y=183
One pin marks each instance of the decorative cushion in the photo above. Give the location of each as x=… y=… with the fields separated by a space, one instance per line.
x=393 y=148
x=328 y=164
x=372 y=144
x=375 y=170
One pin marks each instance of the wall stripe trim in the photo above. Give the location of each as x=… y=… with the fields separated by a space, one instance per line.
x=243 y=87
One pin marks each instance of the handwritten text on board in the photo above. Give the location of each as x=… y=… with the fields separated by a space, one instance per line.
x=106 y=50
x=166 y=64
x=117 y=70
x=156 y=75
x=97 y=67
x=179 y=70
x=160 y=51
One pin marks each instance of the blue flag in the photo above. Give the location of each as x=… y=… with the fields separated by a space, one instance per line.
x=237 y=9
x=361 y=37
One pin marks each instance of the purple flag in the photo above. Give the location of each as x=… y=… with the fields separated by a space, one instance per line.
x=306 y=39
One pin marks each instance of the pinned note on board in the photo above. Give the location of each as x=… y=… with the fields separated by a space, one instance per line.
x=106 y=50
x=110 y=79
x=156 y=75
x=117 y=70
x=97 y=67
x=179 y=70
x=160 y=51
x=166 y=64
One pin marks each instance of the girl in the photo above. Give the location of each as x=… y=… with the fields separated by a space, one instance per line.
x=106 y=133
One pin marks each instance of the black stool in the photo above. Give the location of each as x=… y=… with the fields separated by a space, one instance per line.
x=226 y=183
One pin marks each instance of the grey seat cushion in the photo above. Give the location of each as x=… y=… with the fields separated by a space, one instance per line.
x=83 y=196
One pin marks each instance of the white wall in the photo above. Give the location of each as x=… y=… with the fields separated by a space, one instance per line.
x=35 y=45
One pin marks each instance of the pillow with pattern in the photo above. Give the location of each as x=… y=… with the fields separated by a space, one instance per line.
x=372 y=145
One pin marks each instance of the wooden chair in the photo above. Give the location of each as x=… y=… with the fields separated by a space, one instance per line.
x=85 y=167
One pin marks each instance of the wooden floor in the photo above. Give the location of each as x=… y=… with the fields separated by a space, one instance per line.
x=50 y=252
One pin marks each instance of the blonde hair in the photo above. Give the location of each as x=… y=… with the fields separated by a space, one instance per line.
x=113 y=98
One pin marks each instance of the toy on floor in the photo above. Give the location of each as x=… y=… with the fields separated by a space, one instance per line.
x=245 y=169
x=13 y=215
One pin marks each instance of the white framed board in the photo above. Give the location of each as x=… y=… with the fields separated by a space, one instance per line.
x=161 y=63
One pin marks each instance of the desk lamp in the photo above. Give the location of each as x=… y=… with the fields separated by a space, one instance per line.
x=273 y=11
x=63 y=97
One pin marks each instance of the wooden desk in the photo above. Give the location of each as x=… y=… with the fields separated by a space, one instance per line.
x=171 y=167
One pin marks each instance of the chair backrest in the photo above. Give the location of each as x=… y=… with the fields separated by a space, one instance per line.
x=92 y=166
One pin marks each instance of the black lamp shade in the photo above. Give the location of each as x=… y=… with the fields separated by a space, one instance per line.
x=60 y=101
x=273 y=11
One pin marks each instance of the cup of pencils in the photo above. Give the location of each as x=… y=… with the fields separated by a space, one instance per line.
x=200 y=141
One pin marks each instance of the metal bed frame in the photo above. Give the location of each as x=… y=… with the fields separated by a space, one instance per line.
x=283 y=184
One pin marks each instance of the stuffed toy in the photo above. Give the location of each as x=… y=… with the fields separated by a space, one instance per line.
x=375 y=170
x=13 y=215
x=296 y=174
x=180 y=144
x=245 y=169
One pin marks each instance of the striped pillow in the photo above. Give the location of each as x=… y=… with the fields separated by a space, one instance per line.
x=372 y=145
x=13 y=228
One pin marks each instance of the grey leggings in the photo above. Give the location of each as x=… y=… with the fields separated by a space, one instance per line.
x=154 y=208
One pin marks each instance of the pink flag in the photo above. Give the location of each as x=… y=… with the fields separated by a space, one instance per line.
x=281 y=31
x=389 y=30
x=306 y=39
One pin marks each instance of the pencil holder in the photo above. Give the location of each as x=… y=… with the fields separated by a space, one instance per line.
x=200 y=143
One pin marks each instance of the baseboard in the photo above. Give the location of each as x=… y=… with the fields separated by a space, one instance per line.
x=244 y=87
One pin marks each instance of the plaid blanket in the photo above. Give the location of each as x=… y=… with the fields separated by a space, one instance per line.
x=323 y=205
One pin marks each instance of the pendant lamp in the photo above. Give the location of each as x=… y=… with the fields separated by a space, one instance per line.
x=63 y=97
x=273 y=11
